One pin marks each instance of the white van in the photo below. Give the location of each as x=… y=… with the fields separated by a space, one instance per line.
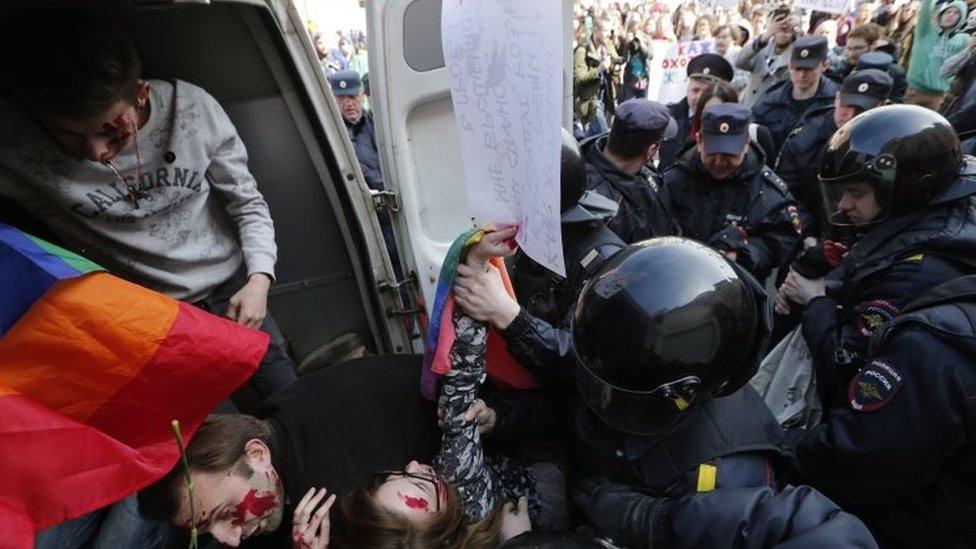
x=334 y=276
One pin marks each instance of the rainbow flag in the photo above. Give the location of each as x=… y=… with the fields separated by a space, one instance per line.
x=93 y=369
x=502 y=368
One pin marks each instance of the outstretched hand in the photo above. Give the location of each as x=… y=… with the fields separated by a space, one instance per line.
x=311 y=523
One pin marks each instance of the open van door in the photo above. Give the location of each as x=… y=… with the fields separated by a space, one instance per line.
x=416 y=132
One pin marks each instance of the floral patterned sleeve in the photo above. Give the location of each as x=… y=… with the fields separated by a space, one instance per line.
x=461 y=460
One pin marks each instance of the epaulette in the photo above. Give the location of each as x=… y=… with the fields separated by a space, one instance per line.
x=775 y=180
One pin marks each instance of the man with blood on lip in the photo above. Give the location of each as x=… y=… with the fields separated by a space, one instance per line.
x=271 y=482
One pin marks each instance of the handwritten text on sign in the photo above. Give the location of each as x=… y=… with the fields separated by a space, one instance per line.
x=674 y=81
x=504 y=58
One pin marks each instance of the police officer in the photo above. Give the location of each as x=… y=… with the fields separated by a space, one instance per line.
x=587 y=244
x=347 y=87
x=899 y=448
x=884 y=62
x=617 y=166
x=702 y=71
x=663 y=330
x=896 y=176
x=782 y=106
x=723 y=195
x=799 y=159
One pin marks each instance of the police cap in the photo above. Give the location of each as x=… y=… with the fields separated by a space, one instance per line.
x=875 y=60
x=866 y=89
x=710 y=64
x=643 y=117
x=808 y=52
x=725 y=128
x=345 y=83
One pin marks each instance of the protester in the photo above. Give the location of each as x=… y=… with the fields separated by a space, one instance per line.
x=723 y=195
x=782 y=107
x=936 y=40
x=726 y=42
x=593 y=63
x=110 y=163
x=859 y=41
x=637 y=56
x=617 y=167
x=767 y=56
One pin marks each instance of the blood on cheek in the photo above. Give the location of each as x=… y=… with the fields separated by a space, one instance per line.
x=414 y=503
x=254 y=505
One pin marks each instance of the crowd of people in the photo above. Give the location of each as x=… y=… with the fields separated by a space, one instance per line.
x=788 y=201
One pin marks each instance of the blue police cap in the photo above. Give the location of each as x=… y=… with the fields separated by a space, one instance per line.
x=875 y=60
x=345 y=83
x=808 y=52
x=710 y=64
x=866 y=88
x=643 y=116
x=725 y=128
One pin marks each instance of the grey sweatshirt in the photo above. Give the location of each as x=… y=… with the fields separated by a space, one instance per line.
x=200 y=213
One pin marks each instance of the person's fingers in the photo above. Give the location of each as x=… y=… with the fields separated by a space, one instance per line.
x=301 y=504
x=320 y=514
x=523 y=505
x=474 y=410
x=501 y=235
x=464 y=270
x=509 y=507
x=233 y=308
x=312 y=504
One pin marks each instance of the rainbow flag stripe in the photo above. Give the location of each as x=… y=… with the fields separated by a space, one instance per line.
x=92 y=372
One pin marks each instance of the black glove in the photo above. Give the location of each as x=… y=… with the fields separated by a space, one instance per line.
x=732 y=238
x=627 y=515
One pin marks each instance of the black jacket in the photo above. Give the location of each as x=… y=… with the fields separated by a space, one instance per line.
x=363 y=136
x=737 y=435
x=670 y=147
x=900 y=449
x=777 y=110
x=799 y=163
x=754 y=199
x=893 y=264
x=643 y=206
x=795 y=518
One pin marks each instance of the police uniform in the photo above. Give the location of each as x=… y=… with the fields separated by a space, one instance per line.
x=899 y=446
x=751 y=212
x=799 y=158
x=363 y=137
x=777 y=110
x=643 y=210
x=702 y=67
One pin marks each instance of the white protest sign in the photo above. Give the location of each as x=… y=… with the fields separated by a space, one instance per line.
x=674 y=81
x=829 y=6
x=504 y=58
x=655 y=69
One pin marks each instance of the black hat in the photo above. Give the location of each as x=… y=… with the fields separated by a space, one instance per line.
x=725 y=128
x=345 y=83
x=808 y=52
x=875 y=60
x=640 y=115
x=710 y=64
x=866 y=88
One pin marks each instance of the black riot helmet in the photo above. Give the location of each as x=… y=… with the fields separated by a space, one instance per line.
x=909 y=155
x=576 y=204
x=664 y=326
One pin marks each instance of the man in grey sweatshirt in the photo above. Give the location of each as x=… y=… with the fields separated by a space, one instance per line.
x=146 y=177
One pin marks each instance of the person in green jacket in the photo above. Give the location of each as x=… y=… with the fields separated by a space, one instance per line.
x=937 y=37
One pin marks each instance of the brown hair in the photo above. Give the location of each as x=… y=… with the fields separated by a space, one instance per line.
x=367 y=525
x=217 y=446
x=718 y=88
x=869 y=32
x=79 y=63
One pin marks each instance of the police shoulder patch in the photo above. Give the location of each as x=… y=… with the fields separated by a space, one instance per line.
x=874 y=386
x=873 y=315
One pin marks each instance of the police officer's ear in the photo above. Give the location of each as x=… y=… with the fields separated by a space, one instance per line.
x=651 y=151
x=824 y=64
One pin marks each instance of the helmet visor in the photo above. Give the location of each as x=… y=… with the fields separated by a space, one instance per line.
x=647 y=413
x=852 y=203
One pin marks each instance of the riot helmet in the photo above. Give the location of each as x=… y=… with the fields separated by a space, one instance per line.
x=576 y=204
x=909 y=155
x=663 y=327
